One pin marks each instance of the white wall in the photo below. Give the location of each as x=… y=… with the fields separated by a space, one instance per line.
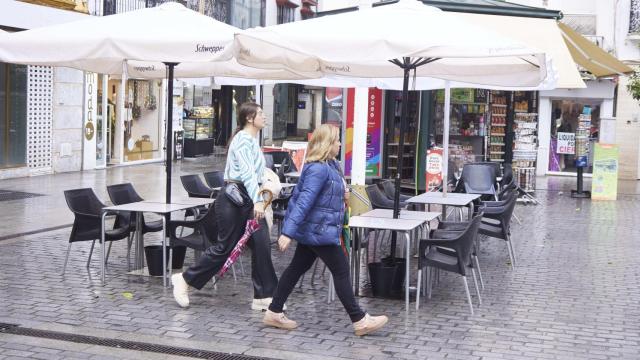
x=68 y=88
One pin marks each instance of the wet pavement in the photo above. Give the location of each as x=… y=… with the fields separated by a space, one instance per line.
x=574 y=295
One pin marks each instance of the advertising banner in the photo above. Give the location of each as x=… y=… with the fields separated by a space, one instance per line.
x=374 y=133
x=604 y=181
x=434 y=168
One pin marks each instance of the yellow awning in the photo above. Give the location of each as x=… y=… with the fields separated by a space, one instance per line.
x=590 y=56
x=542 y=34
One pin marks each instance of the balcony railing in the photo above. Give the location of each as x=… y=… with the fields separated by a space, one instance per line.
x=217 y=9
x=634 y=17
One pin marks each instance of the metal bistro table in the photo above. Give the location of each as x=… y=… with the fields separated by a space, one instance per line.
x=452 y=199
x=404 y=226
x=426 y=217
x=139 y=208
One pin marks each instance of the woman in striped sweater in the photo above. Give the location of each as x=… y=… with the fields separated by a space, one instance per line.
x=244 y=167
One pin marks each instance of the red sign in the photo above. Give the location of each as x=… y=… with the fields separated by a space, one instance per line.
x=433 y=168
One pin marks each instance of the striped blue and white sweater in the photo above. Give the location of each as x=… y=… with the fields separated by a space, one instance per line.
x=245 y=163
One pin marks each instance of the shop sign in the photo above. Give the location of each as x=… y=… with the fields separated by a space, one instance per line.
x=459 y=96
x=434 y=168
x=604 y=181
x=88 y=127
x=89 y=109
x=566 y=143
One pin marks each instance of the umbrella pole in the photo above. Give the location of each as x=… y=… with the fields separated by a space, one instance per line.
x=403 y=129
x=169 y=135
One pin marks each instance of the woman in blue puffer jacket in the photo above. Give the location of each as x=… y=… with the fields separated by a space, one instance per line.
x=314 y=219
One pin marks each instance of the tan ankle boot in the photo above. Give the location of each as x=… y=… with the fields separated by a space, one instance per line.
x=278 y=320
x=369 y=324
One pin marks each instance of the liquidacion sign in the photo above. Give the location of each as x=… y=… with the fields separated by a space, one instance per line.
x=566 y=143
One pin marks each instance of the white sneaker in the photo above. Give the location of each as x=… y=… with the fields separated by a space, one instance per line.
x=180 y=290
x=263 y=304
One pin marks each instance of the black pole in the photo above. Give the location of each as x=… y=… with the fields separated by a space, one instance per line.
x=509 y=132
x=403 y=129
x=169 y=135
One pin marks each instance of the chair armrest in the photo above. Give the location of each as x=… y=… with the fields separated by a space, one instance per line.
x=494 y=203
x=493 y=210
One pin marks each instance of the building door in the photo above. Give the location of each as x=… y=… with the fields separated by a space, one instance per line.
x=13 y=115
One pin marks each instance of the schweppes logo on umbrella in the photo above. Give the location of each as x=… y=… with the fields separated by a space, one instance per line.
x=211 y=49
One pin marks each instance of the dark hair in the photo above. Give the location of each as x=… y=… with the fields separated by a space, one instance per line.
x=246 y=110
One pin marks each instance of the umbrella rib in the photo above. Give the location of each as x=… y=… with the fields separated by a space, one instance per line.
x=396 y=62
x=426 y=61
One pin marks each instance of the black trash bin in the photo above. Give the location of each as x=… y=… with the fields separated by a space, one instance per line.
x=177 y=259
x=153 y=253
x=387 y=278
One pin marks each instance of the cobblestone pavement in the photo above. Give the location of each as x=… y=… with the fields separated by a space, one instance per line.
x=574 y=294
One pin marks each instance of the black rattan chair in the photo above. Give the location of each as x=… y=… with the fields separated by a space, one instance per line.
x=455 y=257
x=378 y=199
x=214 y=179
x=389 y=188
x=87 y=222
x=479 y=179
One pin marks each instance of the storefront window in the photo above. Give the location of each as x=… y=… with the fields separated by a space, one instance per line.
x=13 y=115
x=566 y=124
x=468 y=124
x=392 y=136
x=247 y=13
x=332 y=107
x=143 y=120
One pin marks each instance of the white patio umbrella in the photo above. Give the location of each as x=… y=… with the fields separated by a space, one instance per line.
x=396 y=41
x=187 y=42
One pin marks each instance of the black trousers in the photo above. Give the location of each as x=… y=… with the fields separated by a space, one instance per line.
x=231 y=220
x=336 y=261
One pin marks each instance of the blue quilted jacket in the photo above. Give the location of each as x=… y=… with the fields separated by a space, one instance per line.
x=316 y=208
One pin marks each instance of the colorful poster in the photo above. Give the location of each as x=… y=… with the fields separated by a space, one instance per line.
x=566 y=143
x=433 y=168
x=374 y=132
x=604 y=181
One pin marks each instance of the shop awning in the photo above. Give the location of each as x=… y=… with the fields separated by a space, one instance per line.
x=590 y=56
x=543 y=34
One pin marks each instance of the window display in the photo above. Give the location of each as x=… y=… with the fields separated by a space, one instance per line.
x=468 y=125
x=392 y=137
x=198 y=131
x=570 y=124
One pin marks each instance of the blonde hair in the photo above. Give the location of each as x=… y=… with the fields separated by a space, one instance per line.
x=322 y=140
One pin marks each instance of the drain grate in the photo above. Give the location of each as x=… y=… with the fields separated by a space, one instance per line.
x=121 y=344
x=8 y=195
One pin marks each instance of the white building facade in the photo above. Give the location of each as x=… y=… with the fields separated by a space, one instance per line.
x=41 y=108
x=615 y=26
